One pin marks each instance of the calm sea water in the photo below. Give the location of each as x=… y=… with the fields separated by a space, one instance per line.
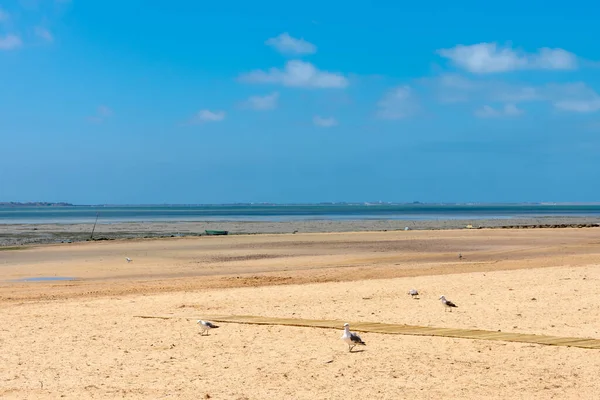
x=108 y=214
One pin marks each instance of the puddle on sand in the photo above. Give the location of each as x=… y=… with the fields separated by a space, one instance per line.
x=45 y=279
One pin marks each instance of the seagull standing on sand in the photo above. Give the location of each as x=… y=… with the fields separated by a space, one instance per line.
x=413 y=292
x=128 y=259
x=206 y=326
x=447 y=303
x=351 y=338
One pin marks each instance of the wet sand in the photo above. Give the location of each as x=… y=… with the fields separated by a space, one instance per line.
x=22 y=234
x=82 y=339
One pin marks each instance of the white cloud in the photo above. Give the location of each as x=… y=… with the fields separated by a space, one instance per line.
x=509 y=110
x=44 y=34
x=547 y=58
x=208 y=116
x=485 y=58
x=397 y=103
x=286 y=44
x=324 y=122
x=10 y=42
x=262 y=103
x=297 y=74
x=4 y=16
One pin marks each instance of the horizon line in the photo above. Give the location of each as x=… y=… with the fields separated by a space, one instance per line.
x=322 y=203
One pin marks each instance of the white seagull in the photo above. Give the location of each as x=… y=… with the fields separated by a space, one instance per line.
x=128 y=259
x=413 y=293
x=351 y=338
x=206 y=326
x=447 y=303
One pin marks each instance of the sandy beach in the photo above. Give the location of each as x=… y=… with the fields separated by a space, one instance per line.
x=83 y=338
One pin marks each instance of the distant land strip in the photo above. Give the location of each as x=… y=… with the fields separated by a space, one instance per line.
x=34 y=204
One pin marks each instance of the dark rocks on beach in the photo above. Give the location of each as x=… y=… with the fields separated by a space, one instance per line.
x=551 y=226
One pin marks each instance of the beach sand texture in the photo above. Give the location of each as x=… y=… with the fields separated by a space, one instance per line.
x=82 y=339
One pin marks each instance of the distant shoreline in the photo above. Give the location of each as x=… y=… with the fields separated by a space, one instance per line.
x=23 y=234
x=17 y=204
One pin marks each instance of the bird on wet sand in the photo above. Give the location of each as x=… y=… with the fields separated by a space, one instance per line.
x=447 y=304
x=352 y=339
x=205 y=326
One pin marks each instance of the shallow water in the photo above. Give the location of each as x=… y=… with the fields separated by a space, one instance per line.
x=278 y=213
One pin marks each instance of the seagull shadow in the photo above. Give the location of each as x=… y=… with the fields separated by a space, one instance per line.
x=356 y=351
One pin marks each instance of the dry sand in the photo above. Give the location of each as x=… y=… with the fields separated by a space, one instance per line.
x=81 y=339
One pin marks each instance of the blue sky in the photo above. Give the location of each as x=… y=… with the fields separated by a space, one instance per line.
x=216 y=102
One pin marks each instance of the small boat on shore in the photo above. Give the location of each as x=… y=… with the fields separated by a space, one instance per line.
x=216 y=233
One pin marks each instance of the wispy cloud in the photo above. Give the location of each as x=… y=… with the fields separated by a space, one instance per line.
x=203 y=116
x=4 y=16
x=44 y=33
x=263 y=103
x=452 y=88
x=509 y=110
x=581 y=106
x=298 y=74
x=324 y=122
x=286 y=44
x=398 y=103
x=594 y=126
x=485 y=58
x=102 y=113
x=574 y=97
x=10 y=42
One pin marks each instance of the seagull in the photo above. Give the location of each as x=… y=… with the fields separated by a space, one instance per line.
x=460 y=256
x=447 y=303
x=351 y=338
x=128 y=259
x=413 y=293
x=206 y=326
